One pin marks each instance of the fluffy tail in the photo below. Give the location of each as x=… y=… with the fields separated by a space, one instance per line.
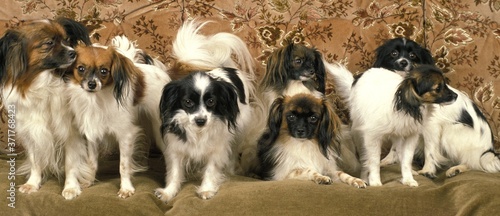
x=342 y=78
x=211 y=51
x=490 y=161
x=129 y=49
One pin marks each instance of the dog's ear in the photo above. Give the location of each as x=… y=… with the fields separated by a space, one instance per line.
x=122 y=72
x=320 y=71
x=169 y=99
x=13 y=56
x=380 y=55
x=75 y=31
x=407 y=98
x=426 y=57
x=276 y=69
x=227 y=102
x=268 y=138
x=329 y=128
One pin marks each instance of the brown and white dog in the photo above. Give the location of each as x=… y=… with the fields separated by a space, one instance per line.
x=107 y=94
x=293 y=69
x=302 y=142
x=32 y=89
x=386 y=106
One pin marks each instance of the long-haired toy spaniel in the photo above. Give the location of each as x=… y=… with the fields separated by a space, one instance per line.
x=293 y=69
x=401 y=55
x=386 y=106
x=32 y=90
x=107 y=93
x=206 y=114
x=459 y=131
x=300 y=142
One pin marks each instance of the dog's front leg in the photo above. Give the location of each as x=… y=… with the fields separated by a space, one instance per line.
x=212 y=178
x=174 y=175
x=406 y=151
x=76 y=166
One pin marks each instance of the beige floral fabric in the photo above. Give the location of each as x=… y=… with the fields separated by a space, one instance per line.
x=463 y=36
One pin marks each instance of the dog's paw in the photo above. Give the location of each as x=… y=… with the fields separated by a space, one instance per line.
x=427 y=174
x=161 y=194
x=207 y=194
x=125 y=193
x=71 y=193
x=322 y=179
x=358 y=183
x=452 y=172
x=409 y=182
x=28 y=188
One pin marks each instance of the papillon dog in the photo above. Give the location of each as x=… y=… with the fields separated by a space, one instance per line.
x=401 y=55
x=206 y=115
x=293 y=69
x=32 y=89
x=386 y=106
x=301 y=142
x=108 y=94
x=459 y=131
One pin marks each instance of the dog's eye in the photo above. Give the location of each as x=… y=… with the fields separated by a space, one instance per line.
x=394 y=53
x=187 y=103
x=313 y=119
x=438 y=89
x=291 y=118
x=104 y=71
x=298 y=61
x=210 y=102
x=81 y=69
x=413 y=56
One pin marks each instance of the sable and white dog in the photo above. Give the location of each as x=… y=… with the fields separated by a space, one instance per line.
x=32 y=90
x=108 y=93
x=302 y=142
x=293 y=69
x=206 y=115
x=456 y=134
x=385 y=106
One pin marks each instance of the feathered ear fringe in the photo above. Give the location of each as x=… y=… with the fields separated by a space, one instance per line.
x=169 y=98
x=266 y=141
x=320 y=72
x=276 y=70
x=426 y=56
x=329 y=128
x=75 y=31
x=407 y=100
x=122 y=71
x=13 y=57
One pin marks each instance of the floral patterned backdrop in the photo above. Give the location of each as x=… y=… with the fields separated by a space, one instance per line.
x=463 y=35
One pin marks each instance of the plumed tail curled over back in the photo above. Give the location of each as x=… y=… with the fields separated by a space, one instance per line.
x=212 y=51
x=126 y=47
x=490 y=161
x=342 y=78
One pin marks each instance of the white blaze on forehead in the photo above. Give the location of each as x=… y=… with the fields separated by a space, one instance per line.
x=404 y=41
x=201 y=82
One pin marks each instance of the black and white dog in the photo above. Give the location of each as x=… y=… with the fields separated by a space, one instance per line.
x=459 y=131
x=387 y=106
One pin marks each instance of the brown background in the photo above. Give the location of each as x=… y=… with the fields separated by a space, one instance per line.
x=464 y=37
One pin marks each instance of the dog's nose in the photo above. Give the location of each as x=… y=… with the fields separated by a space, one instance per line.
x=72 y=54
x=92 y=85
x=200 y=121
x=403 y=63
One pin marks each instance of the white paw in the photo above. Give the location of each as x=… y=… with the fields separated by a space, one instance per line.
x=322 y=179
x=358 y=183
x=409 y=182
x=452 y=172
x=71 y=193
x=161 y=194
x=125 y=193
x=28 y=188
x=206 y=194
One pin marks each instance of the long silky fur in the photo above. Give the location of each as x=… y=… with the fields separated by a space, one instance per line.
x=45 y=132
